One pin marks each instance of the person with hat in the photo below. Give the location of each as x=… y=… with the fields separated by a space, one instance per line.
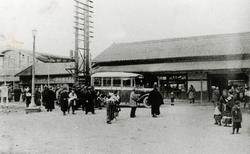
x=236 y=117
x=155 y=100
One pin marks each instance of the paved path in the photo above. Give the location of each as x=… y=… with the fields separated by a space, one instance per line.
x=182 y=129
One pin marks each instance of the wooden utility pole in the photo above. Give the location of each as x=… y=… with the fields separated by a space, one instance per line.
x=86 y=42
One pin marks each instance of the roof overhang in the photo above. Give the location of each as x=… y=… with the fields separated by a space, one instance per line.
x=176 y=67
x=115 y=74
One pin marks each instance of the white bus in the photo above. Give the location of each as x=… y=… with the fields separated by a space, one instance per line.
x=122 y=82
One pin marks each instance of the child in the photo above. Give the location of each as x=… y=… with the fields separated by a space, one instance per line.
x=172 y=97
x=217 y=114
x=237 y=117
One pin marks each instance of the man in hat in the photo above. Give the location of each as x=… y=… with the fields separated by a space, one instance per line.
x=155 y=100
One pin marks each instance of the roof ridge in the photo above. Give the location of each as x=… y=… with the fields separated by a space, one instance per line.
x=223 y=35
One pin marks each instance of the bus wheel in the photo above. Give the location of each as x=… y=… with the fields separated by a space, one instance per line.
x=146 y=103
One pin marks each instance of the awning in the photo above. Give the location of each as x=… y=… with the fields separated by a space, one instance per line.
x=176 y=67
x=115 y=74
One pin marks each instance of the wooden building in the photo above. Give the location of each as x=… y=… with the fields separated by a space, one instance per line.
x=201 y=61
x=52 y=74
x=12 y=61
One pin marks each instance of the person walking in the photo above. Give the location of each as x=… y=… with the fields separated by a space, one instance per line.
x=45 y=99
x=28 y=96
x=117 y=101
x=133 y=104
x=155 y=100
x=109 y=107
x=38 y=97
x=215 y=95
x=172 y=97
x=191 y=94
x=64 y=96
x=4 y=95
x=50 y=97
x=72 y=101
x=236 y=117
x=89 y=102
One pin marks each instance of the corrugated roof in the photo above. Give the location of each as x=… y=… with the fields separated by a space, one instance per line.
x=181 y=66
x=48 y=68
x=223 y=44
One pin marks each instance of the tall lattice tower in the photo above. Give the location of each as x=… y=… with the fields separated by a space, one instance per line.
x=83 y=34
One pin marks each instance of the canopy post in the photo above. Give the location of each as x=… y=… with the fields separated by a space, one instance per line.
x=201 y=92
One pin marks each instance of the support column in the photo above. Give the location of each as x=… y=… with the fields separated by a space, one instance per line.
x=201 y=91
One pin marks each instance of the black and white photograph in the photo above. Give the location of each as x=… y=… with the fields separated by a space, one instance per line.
x=124 y=77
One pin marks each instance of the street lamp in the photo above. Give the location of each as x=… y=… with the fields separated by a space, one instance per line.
x=34 y=32
x=32 y=107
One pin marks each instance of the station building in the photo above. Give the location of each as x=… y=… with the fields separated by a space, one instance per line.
x=175 y=64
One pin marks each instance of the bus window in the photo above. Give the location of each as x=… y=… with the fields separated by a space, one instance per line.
x=126 y=82
x=116 y=82
x=106 y=81
x=98 y=82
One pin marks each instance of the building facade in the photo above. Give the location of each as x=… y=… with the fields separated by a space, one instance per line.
x=175 y=64
x=13 y=61
x=52 y=74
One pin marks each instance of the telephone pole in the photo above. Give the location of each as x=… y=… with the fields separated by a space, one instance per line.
x=83 y=24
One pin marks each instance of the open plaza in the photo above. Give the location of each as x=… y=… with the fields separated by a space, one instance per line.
x=180 y=129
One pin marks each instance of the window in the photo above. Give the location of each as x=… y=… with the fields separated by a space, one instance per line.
x=107 y=82
x=97 y=82
x=116 y=82
x=126 y=82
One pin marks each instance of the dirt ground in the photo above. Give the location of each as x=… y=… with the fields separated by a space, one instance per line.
x=181 y=129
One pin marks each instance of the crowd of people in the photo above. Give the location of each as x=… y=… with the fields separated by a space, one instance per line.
x=227 y=107
x=227 y=104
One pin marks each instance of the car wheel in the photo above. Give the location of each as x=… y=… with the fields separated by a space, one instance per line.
x=146 y=103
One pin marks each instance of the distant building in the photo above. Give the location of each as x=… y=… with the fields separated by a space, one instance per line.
x=175 y=64
x=12 y=61
x=52 y=74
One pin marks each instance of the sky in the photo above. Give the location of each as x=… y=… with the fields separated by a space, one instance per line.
x=117 y=21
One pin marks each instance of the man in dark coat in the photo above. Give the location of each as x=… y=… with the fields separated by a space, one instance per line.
x=49 y=98
x=89 y=101
x=64 y=95
x=17 y=94
x=155 y=100
x=81 y=97
x=38 y=97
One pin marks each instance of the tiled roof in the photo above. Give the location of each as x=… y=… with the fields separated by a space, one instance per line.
x=211 y=45
x=48 y=68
